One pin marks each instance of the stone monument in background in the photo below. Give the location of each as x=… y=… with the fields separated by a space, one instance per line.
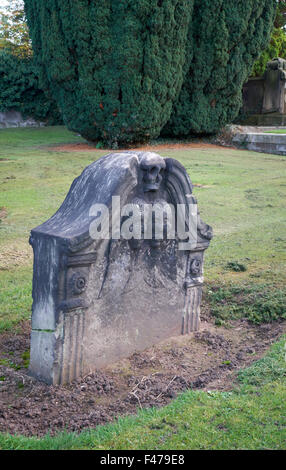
x=99 y=296
x=264 y=98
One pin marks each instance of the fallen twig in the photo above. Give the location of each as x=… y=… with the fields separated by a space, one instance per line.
x=159 y=396
x=133 y=393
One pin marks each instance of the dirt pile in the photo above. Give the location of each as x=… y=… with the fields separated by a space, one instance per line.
x=205 y=360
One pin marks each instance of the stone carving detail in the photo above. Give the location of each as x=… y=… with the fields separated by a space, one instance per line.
x=152 y=167
x=78 y=283
x=97 y=300
x=195 y=266
x=274 y=86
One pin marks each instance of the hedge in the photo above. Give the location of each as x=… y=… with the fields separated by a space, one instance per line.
x=19 y=90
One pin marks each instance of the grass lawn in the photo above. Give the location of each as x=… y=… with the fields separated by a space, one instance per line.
x=276 y=131
x=242 y=195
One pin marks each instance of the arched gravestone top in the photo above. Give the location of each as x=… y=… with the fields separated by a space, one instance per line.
x=98 y=298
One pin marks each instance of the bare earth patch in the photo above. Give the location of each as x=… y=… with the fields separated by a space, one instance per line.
x=3 y=213
x=153 y=148
x=206 y=360
x=16 y=254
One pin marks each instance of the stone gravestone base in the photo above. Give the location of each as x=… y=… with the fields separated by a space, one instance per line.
x=103 y=288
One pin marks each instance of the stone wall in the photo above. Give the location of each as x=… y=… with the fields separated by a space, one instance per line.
x=11 y=118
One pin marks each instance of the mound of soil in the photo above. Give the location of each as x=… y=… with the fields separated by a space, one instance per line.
x=206 y=360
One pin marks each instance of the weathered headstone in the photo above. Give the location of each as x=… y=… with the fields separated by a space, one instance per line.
x=105 y=285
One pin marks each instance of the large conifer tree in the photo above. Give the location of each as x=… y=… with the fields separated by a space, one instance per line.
x=119 y=68
x=114 y=67
x=227 y=36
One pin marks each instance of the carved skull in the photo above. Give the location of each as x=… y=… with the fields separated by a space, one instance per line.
x=152 y=166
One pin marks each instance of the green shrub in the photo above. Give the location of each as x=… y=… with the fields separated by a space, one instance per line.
x=257 y=303
x=276 y=48
x=236 y=266
x=19 y=90
x=115 y=67
x=227 y=37
x=277 y=45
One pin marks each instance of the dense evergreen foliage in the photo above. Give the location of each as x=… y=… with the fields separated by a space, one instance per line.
x=119 y=68
x=19 y=90
x=227 y=37
x=114 y=66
